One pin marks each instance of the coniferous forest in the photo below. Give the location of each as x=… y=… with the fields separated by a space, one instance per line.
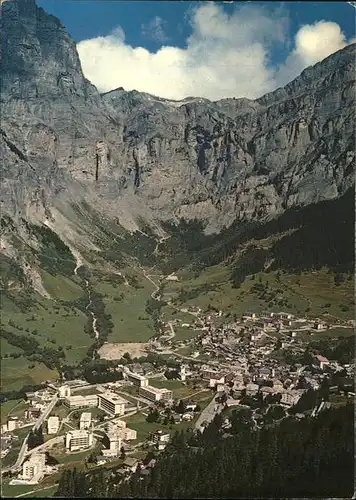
x=312 y=457
x=311 y=237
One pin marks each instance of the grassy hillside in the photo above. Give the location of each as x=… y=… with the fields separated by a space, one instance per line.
x=314 y=293
x=127 y=306
x=15 y=373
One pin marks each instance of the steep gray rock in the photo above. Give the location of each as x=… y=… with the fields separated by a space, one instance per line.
x=131 y=154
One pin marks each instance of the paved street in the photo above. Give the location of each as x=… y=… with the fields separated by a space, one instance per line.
x=48 y=444
x=46 y=413
x=208 y=413
x=38 y=423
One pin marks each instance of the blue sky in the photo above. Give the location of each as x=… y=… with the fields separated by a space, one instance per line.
x=153 y=25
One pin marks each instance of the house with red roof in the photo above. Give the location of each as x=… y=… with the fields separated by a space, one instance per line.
x=320 y=361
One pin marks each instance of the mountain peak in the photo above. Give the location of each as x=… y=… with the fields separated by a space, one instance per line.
x=39 y=59
x=137 y=155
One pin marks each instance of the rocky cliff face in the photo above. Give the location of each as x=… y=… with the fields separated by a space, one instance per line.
x=134 y=155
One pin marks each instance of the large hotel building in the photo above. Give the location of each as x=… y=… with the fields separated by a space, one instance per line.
x=90 y=400
x=137 y=379
x=78 y=440
x=112 y=404
x=155 y=394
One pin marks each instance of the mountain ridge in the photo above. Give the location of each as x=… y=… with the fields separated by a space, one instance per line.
x=134 y=156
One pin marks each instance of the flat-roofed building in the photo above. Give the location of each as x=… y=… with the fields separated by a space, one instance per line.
x=79 y=440
x=137 y=379
x=155 y=394
x=33 y=468
x=90 y=401
x=85 y=421
x=12 y=423
x=160 y=439
x=112 y=404
x=33 y=412
x=64 y=391
x=115 y=439
x=53 y=425
x=127 y=434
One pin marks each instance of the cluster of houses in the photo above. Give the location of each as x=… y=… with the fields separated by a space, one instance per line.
x=239 y=366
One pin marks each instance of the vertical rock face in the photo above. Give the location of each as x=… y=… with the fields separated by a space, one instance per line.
x=136 y=154
x=39 y=59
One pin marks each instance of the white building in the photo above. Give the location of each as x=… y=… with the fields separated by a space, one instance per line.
x=123 y=432
x=53 y=425
x=33 y=468
x=318 y=326
x=64 y=391
x=155 y=394
x=137 y=379
x=213 y=382
x=90 y=401
x=115 y=440
x=290 y=398
x=161 y=436
x=112 y=404
x=127 y=434
x=79 y=440
x=284 y=315
x=161 y=439
x=216 y=375
x=85 y=421
x=277 y=385
x=121 y=424
x=172 y=277
x=182 y=373
x=12 y=423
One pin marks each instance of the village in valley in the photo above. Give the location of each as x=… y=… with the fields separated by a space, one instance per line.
x=256 y=363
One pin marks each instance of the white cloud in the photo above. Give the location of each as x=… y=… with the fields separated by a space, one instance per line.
x=313 y=42
x=225 y=56
x=155 y=30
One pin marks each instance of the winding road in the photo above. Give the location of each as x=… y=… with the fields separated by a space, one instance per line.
x=23 y=451
x=173 y=333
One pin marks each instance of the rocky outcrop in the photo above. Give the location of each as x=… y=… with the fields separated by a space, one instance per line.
x=131 y=154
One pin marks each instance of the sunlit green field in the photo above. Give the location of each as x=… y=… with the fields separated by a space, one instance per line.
x=131 y=321
x=13 y=408
x=15 y=373
x=312 y=292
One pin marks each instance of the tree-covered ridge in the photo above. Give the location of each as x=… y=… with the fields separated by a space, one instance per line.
x=294 y=458
x=312 y=237
x=9 y=271
x=54 y=255
x=308 y=458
